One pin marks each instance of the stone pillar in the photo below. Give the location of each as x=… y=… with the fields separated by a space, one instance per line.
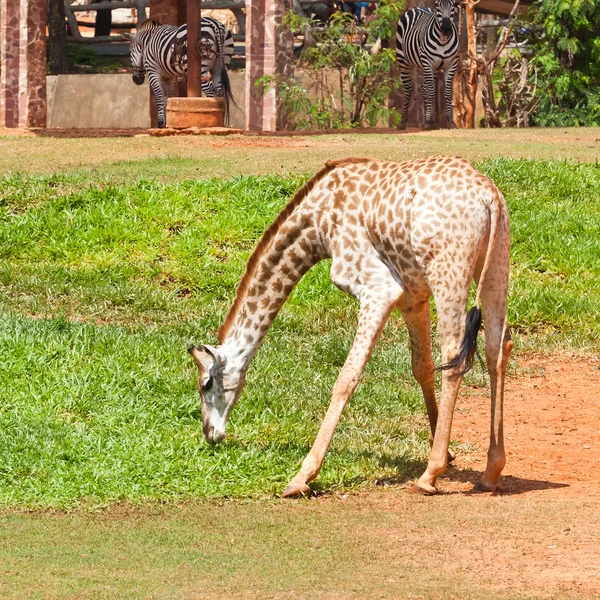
x=23 y=59
x=268 y=52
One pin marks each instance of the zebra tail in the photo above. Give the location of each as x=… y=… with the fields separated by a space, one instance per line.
x=227 y=95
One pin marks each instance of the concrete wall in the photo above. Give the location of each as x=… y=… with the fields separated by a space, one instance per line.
x=113 y=101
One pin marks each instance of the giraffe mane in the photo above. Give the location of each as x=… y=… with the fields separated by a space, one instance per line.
x=270 y=234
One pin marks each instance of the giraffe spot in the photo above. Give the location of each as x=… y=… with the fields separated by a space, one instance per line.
x=338 y=200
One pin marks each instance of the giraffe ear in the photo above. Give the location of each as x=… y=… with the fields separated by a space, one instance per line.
x=206 y=358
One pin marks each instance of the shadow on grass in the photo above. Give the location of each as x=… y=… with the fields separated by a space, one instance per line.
x=509 y=485
x=405 y=470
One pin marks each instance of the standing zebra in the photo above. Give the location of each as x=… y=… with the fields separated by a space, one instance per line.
x=428 y=39
x=161 y=51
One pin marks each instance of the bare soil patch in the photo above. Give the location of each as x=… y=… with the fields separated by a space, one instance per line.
x=552 y=430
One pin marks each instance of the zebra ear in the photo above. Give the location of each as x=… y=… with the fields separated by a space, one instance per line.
x=128 y=36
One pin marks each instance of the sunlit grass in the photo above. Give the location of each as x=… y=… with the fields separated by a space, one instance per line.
x=103 y=286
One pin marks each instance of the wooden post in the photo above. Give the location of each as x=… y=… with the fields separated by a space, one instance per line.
x=194 y=60
x=57 y=34
x=471 y=87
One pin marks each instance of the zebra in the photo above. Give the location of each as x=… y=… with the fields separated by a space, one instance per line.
x=161 y=51
x=428 y=39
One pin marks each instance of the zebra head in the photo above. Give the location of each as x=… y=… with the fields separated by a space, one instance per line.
x=136 y=49
x=444 y=15
x=136 y=54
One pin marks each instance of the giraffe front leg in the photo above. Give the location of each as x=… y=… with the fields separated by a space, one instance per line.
x=428 y=94
x=372 y=318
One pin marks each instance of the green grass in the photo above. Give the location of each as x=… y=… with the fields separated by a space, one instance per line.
x=388 y=545
x=103 y=286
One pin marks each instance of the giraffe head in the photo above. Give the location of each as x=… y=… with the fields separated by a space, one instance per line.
x=444 y=15
x=219 y=390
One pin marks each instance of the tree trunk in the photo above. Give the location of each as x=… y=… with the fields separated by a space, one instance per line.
x=471 y=87
x=103 y=22
x=57 y=34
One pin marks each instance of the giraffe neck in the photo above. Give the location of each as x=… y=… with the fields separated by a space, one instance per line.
x=294 y=249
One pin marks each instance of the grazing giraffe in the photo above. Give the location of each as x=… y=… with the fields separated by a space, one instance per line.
x=397 y=233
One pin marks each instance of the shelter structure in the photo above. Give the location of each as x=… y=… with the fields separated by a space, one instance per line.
x=23 y=58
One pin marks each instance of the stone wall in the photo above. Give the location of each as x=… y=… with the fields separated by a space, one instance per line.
x=114 y=101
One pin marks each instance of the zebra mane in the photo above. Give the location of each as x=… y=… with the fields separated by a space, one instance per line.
x=270 y=233
x=148 y=24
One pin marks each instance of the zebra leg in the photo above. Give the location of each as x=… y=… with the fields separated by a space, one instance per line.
x=405 y=75
x=449 y=93
x=216 y=71
x=208 y=89
x=428 y=95
x=160 y=92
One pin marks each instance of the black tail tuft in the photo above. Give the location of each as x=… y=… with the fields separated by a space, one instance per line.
x=463 y=361
x=227 y=95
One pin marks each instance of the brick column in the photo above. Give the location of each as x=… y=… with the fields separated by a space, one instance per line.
x=23 y=59
x=168 y=12
x=268 y=51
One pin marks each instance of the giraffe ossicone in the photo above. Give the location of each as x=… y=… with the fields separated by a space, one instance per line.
x=397 y=234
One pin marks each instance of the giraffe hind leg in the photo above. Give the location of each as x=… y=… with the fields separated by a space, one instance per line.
x=419 y=331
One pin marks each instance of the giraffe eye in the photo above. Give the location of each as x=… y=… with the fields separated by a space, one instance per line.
x=208 y=385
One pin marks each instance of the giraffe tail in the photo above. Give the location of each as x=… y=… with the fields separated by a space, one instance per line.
x=463 y=361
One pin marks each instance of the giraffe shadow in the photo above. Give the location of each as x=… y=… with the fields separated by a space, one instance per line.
x=509 y=484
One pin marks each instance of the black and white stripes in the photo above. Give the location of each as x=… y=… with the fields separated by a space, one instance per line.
x=161 y=52
x=428 y=39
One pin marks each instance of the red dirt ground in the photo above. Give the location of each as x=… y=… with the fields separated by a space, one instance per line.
x=552 y=431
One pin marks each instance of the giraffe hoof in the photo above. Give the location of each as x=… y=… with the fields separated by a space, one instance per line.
x=451 y=456
x=482 y=486
x=296 y=489
x=423 y=490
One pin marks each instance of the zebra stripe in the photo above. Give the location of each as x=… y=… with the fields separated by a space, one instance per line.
x=428 y=39
x=161 y=52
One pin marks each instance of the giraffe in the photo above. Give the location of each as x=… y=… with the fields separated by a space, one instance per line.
x=397 y=234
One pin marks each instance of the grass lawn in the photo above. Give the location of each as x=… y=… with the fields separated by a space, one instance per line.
x=103 y=285
x=116 y=253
